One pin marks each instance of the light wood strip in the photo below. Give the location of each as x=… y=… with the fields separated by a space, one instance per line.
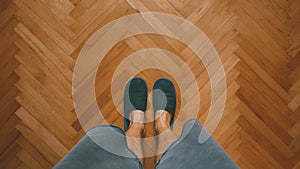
x=49 y=108
x=91 y=27
x=295 y=130
x=137 y=5
x=39 y=71
x=295 y=103
x=39 y=12
x=226 y=122
x=28 y=160
x=45 y=116
x=166 y=6
x=35 y=140
x=63 y=74
x=30 y=149
x=60 y=105
x=47 y=137
x=81 y=7
x=96 y=10
x=49 y=39
x=61 y=9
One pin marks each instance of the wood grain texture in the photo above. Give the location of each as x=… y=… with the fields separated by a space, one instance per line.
x=258 y=43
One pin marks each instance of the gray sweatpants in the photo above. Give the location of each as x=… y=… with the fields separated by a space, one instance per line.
x=185 y=153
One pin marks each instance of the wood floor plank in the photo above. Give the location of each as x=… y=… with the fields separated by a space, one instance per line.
x=9 y=132
x=246 y=30
x=63 y=73
x=98 y=8
x=259 y=125
x=45 y=116
x=7 y=13
x=264 y=142
x=7 y=56
x=61 y=9
x=39 y=71
x=40 y=13
x=48 y=102
x=8 y=97
x=295 y=102
x=264 y=75
x=6 y=85
x=59 y=104
x=52 y=40
x=30 y=149
x=9 y=159
x=251 y=142
x=101 y=20
x=28 y=160
x=256 y=105
x=8 y=110
x=35 y=140
x=81 y=7
x=8 y=35
x=46 y=136
x=294 y=131
x=8 y=69
x=268 y=94
x=278 y=76
x=256 y=13
x=23 y=166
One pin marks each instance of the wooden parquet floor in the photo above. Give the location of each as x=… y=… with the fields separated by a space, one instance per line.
x=258 y=42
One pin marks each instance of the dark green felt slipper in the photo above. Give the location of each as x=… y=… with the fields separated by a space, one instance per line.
x=135 y=98
x=164 y=97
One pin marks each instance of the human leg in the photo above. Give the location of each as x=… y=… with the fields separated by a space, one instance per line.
x=188 y=152
x=135 y=133
x=103 y=147
x=165 y=135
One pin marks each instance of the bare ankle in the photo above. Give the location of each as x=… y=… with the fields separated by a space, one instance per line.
x=162 y=122
x=138 y=127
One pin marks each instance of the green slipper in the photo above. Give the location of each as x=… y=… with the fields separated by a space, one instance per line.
x=164 y=97
x=135 y=98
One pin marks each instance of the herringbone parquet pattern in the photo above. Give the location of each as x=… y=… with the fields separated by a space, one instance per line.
x=258 y=42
